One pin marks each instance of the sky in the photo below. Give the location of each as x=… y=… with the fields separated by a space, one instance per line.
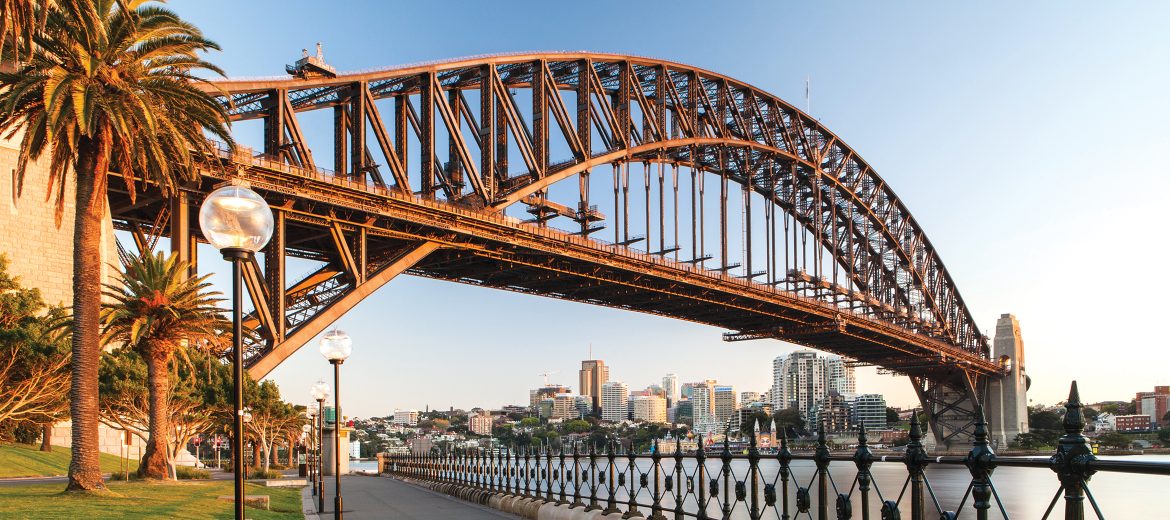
x=1028 y=139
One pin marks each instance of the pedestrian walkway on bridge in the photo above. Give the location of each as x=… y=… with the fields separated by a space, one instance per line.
x=382 y=497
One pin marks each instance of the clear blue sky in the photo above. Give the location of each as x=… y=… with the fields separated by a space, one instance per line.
x=1027 y=138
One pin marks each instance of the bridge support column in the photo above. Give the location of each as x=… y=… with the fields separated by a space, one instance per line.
x=950 y=404
x=1007 y=397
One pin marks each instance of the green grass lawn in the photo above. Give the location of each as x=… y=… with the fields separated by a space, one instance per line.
x=25 y=460
x=136 y=499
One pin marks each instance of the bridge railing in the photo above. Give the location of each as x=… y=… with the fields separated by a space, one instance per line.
x=244 y=155
x=755 y=485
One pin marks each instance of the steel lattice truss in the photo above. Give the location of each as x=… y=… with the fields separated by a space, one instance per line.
x=385 y=208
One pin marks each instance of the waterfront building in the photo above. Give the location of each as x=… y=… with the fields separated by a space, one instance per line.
x=835 y=414
x=405 y=417
x=545 y=392
x=670 y=385
x=614 y=401
x=355 y=449
x=480 y=424
x=593 y=375
x=1105 y=422
x=1154 y=404
x=650 y=408
x=1133 y=423
x=870 y=410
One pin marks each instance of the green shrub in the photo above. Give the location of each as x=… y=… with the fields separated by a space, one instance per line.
x=190 y=473
x=271 y=474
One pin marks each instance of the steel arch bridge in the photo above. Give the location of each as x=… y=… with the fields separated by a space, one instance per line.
x=427 y=159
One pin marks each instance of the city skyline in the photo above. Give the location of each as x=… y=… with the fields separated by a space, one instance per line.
x=917 y=88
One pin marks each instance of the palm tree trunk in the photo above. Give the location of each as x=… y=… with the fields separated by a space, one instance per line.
x=85 y=472
x=155 y=463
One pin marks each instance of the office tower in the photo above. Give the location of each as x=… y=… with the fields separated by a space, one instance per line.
x=594 y=374
x=800 y=379
x=726 y=403
x=670 y=385
x=614 y=401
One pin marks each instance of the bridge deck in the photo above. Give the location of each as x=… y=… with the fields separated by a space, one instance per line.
x=489 y=249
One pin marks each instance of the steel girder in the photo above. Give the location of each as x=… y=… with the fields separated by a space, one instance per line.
x=898 y=307
x=671 y=102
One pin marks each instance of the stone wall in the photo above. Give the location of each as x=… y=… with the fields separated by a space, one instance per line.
x=40 y=252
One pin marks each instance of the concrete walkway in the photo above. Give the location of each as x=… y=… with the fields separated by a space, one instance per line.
x=382 y=497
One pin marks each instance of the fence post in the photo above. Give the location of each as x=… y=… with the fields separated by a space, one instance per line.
x=784 y=457
x=701 y=470
x=822 y=459
x=561 y=457
x=725 y=456
x=863 y=459
x=915 y=462
x=1073 y=457
x=593 y=505
x=575 y=480
x=632 y=504
x=656 y=507
x=981 y=463
x=678 y=478
x=548 y=474
x=753 y=474
x=611 y=501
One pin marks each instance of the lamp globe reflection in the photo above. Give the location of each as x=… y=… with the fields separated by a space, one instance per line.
x=320 y=390
x=336 y=346
x=236 y=219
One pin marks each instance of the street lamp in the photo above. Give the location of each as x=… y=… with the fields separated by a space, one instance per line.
x=312 y=410
x=306 y=441
x=237 y=222
x=320 y=392
x=336 y=346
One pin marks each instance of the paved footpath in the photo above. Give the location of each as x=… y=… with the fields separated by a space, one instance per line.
x=382 y=497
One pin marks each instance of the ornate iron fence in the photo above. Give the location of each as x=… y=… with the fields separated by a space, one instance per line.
x=682 y=485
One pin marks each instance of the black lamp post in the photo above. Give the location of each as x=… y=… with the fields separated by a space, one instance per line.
x=237 y=222
x=336 y=346
x=320 y=392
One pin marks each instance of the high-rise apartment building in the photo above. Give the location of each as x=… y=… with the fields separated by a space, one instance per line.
x=594 y=374
x=841 y=378
x=565 y=407
x=703 y=406
x=800 y=381
x=870 y=410
x=746 y=398
x=670 y=385
x=615 y=397
x=650 y=408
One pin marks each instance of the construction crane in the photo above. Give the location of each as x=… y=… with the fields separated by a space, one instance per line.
x=545 y=376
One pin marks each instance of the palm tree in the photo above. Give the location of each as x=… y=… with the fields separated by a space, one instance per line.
x=119 y=92
x=154 y=309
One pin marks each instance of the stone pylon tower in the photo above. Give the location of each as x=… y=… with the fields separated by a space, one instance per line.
x=1007 y=398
